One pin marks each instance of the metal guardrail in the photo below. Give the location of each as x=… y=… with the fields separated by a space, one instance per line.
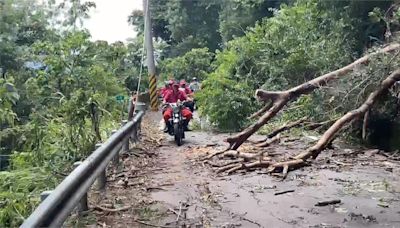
x=72 y=191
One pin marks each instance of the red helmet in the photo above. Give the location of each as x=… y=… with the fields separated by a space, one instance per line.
x=170 y=82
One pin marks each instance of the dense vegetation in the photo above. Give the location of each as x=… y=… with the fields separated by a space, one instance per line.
x=57 y=97
x=58 y=88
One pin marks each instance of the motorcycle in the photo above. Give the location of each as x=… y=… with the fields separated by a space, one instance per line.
x=176 y=124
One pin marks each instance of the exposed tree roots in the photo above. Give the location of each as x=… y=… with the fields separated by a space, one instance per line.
x=262 y=159
x=280 y=98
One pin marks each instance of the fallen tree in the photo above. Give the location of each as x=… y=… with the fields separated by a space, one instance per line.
x=300 y=160
x=278 y=99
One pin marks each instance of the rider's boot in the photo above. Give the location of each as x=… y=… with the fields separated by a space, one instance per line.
x=186 y=125
x=167 y=127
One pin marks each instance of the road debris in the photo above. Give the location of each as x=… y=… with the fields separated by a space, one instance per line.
x=326 y=203
x=283 y=192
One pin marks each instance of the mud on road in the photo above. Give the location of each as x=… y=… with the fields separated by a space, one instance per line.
x=168 y=186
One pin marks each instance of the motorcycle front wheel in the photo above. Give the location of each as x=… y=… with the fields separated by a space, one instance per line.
x=178 y=132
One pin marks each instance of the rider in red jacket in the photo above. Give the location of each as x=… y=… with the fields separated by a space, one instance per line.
x=185 y=87
x=168 y=87
x=173 y=96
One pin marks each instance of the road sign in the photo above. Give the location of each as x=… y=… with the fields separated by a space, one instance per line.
x=120 y=98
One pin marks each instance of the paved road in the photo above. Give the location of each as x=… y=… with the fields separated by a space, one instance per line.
x=174 y=184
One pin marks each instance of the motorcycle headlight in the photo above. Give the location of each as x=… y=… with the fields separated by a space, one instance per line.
x=176 y=115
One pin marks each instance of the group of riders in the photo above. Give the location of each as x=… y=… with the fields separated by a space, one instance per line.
x=179 y=92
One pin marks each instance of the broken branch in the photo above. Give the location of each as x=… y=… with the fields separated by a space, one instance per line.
x=325 y=203
x=286 y=127
x=261 y=111
x=111 y=209
x=283 y=192
x=270 y=141
x=365 y=125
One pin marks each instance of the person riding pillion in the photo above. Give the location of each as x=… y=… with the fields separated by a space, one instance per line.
x=185 y=87
x=174 y=96
x=195 y=85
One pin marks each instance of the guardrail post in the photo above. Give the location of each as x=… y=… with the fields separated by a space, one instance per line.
x=140 y=106
x=125 y=146
x=44 y=195
x=83 y=203
x=102 y=179
x=116 y=157
x=139 y=129
x=134 y=134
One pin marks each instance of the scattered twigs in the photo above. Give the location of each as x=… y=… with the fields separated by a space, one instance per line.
x=312 y=126
x=211 y=144
x=285 y=171
x=149 y=224
x=180 y=211
x=270 y=141
x=246 y=156
x=173 y=211
x=392 y=157
x=149 y=189
x=111 y=210
x=222 y=165
x=215 y=154
x=251 y=221
x=251 y=165
x=227 y=167
x=283 y=192
x=265 y=162
x=328 y=202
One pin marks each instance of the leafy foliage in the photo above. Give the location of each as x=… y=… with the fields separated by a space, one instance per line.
x=195 y=63
x=57 y=96
x=185 y=25
x=236 y=16
x=223 y=99
x=19 y=195
x=277 y=53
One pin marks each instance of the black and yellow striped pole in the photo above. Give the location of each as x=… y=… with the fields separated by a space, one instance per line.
x=153 y=93
x=148 y=37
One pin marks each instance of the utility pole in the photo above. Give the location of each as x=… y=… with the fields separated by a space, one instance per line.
x=148 y=37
